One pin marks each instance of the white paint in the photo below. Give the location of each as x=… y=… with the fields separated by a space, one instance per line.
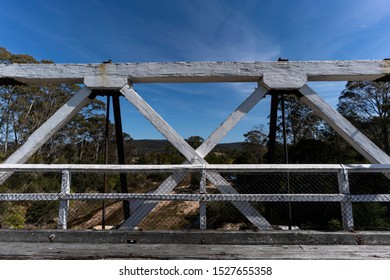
x=185 y=168
x=231 y=121
x=346 y=206
x=155 y=72
x=64 y=203
x=159 y=123
x=284 y=81
x=189 y=153
x=105 y=82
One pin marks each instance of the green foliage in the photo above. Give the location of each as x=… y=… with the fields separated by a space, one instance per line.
x=301 y=122
x=371 y=216
x=42 y=213
x=254 y=146
x=335 y=225
x=195 y=141
x=367 y=105
x=13 y=216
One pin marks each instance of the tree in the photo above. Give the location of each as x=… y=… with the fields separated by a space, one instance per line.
x=301 y=121
x=367 y=105
x=195 y=141
x=24 y=108
x=254 y=146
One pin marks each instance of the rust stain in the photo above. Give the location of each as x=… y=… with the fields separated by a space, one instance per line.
x=385 y=65
x=102 y=69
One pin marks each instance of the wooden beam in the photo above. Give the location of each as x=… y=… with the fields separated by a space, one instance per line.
x=343 y=127
x=170 y=72
x=159 y=123
x=189 y=153
x=231 y=121
x=40 y=136
x=170 y=183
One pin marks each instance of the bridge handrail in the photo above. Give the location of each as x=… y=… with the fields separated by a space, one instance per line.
x=64 y=195
x=133 y=168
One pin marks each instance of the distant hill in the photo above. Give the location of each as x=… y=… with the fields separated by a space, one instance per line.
x=158 y=146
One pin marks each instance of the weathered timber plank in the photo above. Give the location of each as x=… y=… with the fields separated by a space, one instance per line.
x=154 y=72
x=88 y=251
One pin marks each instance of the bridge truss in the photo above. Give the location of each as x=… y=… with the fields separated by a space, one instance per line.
x=272 y=78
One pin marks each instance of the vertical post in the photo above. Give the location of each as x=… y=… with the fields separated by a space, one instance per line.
x=121 y=152
x=346 y=206
x=286 y=159
x=272 y=127
x=202 y=204
x=272 y=140
x=105 y=179
x=64 y=203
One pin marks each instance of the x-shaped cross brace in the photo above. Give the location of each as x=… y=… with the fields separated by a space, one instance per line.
x=342 y=126
x=194 y=156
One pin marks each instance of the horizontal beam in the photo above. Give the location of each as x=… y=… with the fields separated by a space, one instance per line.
x=198 y=197
x=182 y=72
x=240 y=168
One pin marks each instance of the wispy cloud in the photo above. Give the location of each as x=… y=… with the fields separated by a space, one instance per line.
x=202 y=31
x=329 y=91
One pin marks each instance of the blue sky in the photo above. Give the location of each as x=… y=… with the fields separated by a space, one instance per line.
x=91 y=31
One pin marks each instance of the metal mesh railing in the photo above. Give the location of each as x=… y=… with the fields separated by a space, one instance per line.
x=236 y=197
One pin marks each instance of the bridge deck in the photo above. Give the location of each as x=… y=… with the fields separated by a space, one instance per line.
x=298 y=245
x=23 y=250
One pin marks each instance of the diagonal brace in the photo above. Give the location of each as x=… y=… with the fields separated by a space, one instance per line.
x=192 y=155
x=40 y=136
x=343 y=127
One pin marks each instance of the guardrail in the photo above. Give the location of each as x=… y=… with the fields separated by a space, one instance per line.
x=341 y=172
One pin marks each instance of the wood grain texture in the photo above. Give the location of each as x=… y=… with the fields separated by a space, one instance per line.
x=155 y=72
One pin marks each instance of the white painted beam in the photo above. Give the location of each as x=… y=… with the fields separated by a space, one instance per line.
x=155 y=72
x=105 y=82
x=48 y=129
x=231 y=121
x=284 y=81
x=159 y=123
x=343 y=127
x=189 y=153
